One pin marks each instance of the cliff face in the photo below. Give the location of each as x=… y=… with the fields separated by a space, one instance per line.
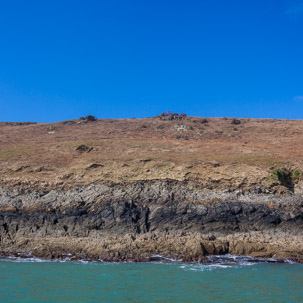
x=131 y=189
x=135 y=221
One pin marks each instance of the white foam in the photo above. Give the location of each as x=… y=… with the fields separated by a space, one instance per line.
x=165 y=258
x=230 y=261
x=213 y=262
x=20 y=259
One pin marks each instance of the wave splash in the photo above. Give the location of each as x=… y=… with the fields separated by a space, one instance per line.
x=230 y=261
x=212 y=262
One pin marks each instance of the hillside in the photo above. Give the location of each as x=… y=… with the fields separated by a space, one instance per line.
x=212 y=151
x=132 y=189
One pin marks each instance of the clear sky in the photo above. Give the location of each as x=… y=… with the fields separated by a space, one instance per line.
x=138 y=58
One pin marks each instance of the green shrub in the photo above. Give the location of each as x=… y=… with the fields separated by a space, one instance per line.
x=296 y=173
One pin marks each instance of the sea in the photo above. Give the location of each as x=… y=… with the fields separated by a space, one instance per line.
x=223 y=279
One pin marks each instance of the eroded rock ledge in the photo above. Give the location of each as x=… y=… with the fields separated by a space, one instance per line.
x=136 y=220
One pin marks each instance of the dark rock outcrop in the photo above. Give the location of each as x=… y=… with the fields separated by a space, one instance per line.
x=135 y=221
x=84 y=148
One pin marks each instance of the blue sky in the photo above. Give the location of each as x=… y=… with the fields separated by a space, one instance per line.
x=122 y=59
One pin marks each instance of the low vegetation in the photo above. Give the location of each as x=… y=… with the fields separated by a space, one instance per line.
x=179 y=147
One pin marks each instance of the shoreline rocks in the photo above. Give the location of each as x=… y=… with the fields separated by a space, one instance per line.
x=137 y=220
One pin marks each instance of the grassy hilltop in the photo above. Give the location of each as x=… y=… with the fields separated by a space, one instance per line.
x=217 y=152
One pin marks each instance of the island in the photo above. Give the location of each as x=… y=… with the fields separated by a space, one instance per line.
x=170 y=186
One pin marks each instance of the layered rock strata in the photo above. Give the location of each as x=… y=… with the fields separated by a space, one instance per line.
x=136 y=221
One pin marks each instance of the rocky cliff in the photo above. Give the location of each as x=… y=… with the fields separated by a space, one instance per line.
x=104 y=201
x=135 y=221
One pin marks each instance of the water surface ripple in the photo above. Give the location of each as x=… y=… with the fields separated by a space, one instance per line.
x=223 y=280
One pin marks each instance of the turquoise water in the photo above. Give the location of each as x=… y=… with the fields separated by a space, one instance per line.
x=150 y=282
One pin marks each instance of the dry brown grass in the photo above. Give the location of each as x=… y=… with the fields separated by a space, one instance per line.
x=131 y=149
